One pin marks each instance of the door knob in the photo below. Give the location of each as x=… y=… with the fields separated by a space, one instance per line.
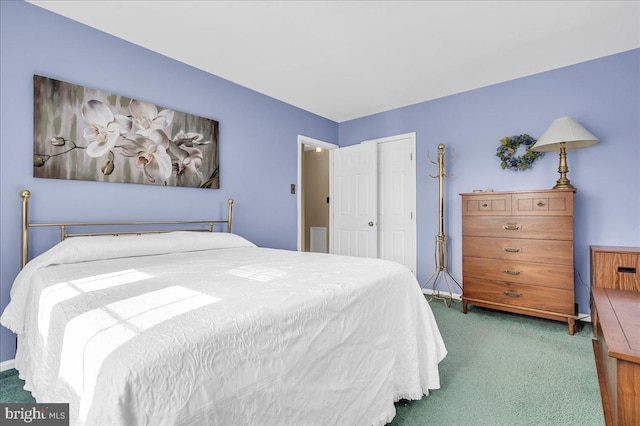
x=370 y=223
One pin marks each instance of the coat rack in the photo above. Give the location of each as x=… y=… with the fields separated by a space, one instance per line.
x=441 y=252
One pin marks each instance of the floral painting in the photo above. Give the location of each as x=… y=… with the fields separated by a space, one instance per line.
x=87 y=134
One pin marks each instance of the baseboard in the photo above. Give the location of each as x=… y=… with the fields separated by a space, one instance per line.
x=7 y=365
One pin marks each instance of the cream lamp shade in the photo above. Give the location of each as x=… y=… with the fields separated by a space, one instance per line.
x=564 y=134
x=564 y=130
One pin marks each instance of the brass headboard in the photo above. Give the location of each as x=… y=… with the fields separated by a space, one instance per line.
x=25 y=194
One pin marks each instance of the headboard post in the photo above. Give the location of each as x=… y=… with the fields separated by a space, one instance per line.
x=24 y=236
x=230 y=215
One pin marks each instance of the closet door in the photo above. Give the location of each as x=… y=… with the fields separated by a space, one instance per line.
x=396 y=200
x=354 y=200
x=373 y=200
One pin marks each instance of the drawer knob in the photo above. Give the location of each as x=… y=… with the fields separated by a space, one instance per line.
x=511 y=249
x=485 y=205
x=540 y=204
x=512 y=272
x=511 y=294
x=511 y=226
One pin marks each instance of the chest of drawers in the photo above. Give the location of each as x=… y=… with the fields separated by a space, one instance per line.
x=517 y=253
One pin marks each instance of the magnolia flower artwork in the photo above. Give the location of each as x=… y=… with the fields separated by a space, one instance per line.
x=88 y=134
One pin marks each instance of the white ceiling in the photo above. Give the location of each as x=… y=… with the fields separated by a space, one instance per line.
x=348 y=59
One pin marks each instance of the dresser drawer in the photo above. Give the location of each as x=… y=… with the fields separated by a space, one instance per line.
x=483 y=204
x=540 y=251
x=520 y=295
x=615 y=269
x=536 y=227
x=541 y=274
x=547 y=203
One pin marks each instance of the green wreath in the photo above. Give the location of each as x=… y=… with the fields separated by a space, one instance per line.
x=508 y=147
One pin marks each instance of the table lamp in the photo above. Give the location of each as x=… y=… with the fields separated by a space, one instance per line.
x=563 y=135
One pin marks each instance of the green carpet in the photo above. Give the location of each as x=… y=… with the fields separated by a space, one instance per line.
x=509 y=369
x=502 y=369
x=11 y=388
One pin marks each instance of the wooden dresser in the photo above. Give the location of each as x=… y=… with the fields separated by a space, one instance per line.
x=517 y=253
x=614 y=267
x=617 y=354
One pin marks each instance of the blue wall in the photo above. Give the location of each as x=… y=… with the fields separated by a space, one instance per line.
x=603 y=95
x=258 y=138
x=258 y=144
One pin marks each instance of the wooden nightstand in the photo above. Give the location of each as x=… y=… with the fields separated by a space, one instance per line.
x=617 y=354
x=614 y=267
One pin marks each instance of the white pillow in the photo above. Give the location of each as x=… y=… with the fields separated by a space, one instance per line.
x=85 y=249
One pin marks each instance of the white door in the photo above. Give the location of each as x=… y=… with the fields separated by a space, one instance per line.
x=354 y=200
x=396 y=200
x=375 y=183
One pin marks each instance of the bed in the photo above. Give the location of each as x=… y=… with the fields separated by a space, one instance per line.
x=206 y=328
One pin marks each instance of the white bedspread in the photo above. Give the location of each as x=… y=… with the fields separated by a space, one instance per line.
x=227 y=336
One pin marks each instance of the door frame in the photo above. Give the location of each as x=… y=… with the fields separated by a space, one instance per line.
x=302 y=141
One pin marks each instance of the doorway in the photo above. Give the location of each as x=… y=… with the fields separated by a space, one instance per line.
x=312 y=194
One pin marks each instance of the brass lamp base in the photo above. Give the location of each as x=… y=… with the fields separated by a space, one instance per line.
x=563 y=184
x=563 y=169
